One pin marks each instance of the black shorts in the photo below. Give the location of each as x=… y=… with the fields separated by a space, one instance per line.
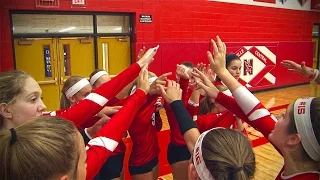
x=177 y=153
x=134 y=170
x=111 y=168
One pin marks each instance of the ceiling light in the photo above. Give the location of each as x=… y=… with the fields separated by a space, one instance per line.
x=68 y=29
x=117 y=29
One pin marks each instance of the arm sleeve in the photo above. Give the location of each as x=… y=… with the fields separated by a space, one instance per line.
x=184 y=119
x=106 y=140
x=257 y=115
x=95 y=101
x=185 y=91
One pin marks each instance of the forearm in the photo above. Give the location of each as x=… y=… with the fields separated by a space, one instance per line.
x=187 y=126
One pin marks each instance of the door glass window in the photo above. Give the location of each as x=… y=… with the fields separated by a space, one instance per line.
x=47 y=61
x=66 y=58
x=51 y=24
x=113 y=24
x=105 y=57
x=315 y=30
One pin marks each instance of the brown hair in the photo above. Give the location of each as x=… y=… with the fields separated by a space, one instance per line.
x=64 y=101
x=44 y=148
x=228 y=155
x=315 y=121
x=11 y=85
x=188 y=64
x=205 y=106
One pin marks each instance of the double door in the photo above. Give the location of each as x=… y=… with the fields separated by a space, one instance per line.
x=50 y=61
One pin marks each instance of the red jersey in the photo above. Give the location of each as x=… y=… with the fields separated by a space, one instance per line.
x=143 y=132
x=100 y=148
x=212 y=120
x=255 y=114
x=83 y=111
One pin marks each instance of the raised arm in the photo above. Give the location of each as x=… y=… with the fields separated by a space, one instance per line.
x=188 y=128
x=258 y=116
x=106 y=140
x=312 y=74
x=95 y=101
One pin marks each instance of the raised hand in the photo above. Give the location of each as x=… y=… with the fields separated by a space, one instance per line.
x=183 y=71
x=143 y=80
x=218 y=58
x=172 y=93
x=161 y=80
x=206 y=84
x=147 y=57
x=294 y=67
x=141 y=52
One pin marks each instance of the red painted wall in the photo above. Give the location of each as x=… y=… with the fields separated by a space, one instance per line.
x=183 y=28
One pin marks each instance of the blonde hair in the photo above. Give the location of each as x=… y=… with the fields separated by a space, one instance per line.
x=42 y=148
x=64 y=101
x=228 y=155
x=11 y=85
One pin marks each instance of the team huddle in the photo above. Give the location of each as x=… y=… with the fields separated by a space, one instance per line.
x=206 y=107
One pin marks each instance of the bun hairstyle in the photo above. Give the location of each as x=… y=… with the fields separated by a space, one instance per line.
x=43 y=148
x=224 y=154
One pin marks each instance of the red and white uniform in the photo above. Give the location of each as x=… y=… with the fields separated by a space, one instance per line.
x=100 y=148
x=143 y=132
x=87 y=108
x=255 y=114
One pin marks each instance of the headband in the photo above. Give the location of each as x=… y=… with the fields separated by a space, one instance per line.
x=304 y=127
x=76 y=87
x=96 y=76
x=198 y=161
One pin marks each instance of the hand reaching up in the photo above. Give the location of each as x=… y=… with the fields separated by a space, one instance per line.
x=172 y=93
x=143 y=80
x=218 y=58
x=161 y=80
x=141 y=52
x=294 y=67
x=147 y=57
x=183 y=71
x=206 y=84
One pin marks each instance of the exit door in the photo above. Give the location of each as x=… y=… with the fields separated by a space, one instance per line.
x=51 y=61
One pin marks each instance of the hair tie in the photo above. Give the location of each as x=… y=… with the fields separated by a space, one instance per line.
x=238 y=169
x=13 y=136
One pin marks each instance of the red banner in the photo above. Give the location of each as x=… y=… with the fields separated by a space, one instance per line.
x=266 y=1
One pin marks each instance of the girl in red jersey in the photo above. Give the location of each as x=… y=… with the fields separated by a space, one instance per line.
x=177 y=153
x=216 y=153
x=74 y=90
x=295 y=134
x=64 y=150
x=113 y=167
